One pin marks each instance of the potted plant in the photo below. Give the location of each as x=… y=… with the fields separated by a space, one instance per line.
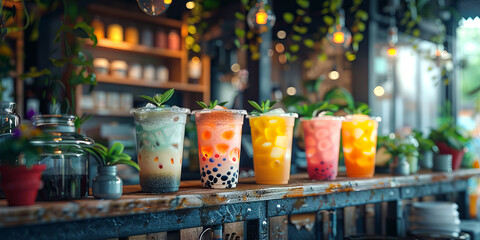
x=404 y=155
x=20 y=174
x=426 y=147
x=107 y=184
x=451 y=139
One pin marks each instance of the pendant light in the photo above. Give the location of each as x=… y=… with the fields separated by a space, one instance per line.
x=392 y=30
x=261 y=17
x=154 y=7
x=339 y=34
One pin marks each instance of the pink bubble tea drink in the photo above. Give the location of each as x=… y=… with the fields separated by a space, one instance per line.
x=219 y=133
x=322 y=146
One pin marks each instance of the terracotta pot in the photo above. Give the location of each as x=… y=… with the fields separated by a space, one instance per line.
x=457 y=155
x=21 y=184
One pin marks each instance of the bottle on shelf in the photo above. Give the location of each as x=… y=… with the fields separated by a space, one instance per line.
x=173 y=40
x=131 y=35
x=115 y=32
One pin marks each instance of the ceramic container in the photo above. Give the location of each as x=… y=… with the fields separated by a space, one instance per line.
x=107 y=185
x=119 y=68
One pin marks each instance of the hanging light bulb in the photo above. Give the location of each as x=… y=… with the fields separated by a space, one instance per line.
x=260 y=18
x=154 y=7
x=339 y=35
x=392 y=41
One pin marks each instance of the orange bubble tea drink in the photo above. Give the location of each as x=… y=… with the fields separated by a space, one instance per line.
x=322 y=146
x=272 y=134
x=359 y=138
x=219 y=133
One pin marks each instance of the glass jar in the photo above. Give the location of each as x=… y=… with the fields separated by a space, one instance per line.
x=67 y=164
x=9 y=120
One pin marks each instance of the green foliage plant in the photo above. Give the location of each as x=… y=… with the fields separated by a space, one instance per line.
x=18 y=150
x=159 y=99
x=359 y=108
x=309 y=111
x=112 y=156
x=453 y=136
x=211 y=105
x=264 y=107
x=424 y=144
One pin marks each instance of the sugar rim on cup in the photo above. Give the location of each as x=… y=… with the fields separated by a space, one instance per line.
x=295 y=115
x=163 y=109
x=325 y=117
x=235 y=111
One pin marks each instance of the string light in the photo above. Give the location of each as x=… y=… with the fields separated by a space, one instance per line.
x=154 y=7
x=291 y=91
x=235 y=67
x=190 y=5
x=279 y=47
x=281 y=34
x=334 y=75
x=392 y=51
x=260 y=18
x=339 y=35
x=379 y=91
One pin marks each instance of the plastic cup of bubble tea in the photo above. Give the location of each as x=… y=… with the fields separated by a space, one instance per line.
x=322 y=146
x=159 y=137
x=272 y=135
x=359 y=139
x=219 y=134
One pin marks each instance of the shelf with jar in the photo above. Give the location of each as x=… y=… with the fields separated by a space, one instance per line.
x=135 y=52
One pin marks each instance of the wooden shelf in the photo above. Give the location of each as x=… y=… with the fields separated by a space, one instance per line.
x=189 y=87
x=133 y=14
x=138 y=49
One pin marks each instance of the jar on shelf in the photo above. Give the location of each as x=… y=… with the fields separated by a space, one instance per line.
x=101 y=66
x=9 y=120
x=119 y=68
x=147 y=37
x=115 y=32
x=161 y=39
x=135 y=71
x=131 y=35
x=149 y=73
x=66 y=175
x=162 y=74
x=98 y=28
x=173 y=40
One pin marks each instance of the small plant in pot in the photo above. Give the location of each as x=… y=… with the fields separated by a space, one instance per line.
x=400 y=151
x=18 y=166
x=107 y=184
x=427 y=148
x=452 y=140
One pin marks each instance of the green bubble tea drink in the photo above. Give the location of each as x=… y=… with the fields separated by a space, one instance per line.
x=219 y=133
x=159 y=136
x=322 y=146
x=272 y=135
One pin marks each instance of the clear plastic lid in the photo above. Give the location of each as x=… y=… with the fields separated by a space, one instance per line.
x=295 y=115
x=157 y=109
x=325 y=117
x=362 y=117
x=234 y=111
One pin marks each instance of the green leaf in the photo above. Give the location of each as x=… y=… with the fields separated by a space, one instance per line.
x=149 y=99
x=300 y=12
x=202 y=104
x=255 y=105
x=239 y=32
x=222 y=103
x=358 y=37
x=79 y=32
x=167 y=95
x=361 y=14
x=301 y=30
x=307 y=19
x=288 y=17
x=303 y=3
x=59 y=62
x=240 y=16
x=309 y=43
x=128 y=162
x=296 y=38
x=328 y=20
x=416 y=32
x=116 y=149
x=95 y=155
x=294 y=48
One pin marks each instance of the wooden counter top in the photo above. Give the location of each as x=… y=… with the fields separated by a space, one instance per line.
x=192 y=195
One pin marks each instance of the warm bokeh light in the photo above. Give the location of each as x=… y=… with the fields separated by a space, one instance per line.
x=281 y=34
x=270 y=52
x=291 y=91
x=282 y=58
x=333 y=75
x=196 y=60
x=338 y=37
x=391 y=51
x=261 y=17
x=167 y=1
x=379 y=91
x=279 y=47
x=235 y=67
x=190 y=4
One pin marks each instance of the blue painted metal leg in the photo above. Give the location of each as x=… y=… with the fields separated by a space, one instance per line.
x=395 y=221
x=258 y=228
x=463 y=205
x=340 y=223
x=217 y=232
x=360 y=215
x=332 y=227
x=378 y=218
x=319 y=225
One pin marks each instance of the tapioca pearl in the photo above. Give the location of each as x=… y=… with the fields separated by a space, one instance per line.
x=209 y=172
x=228 y=182
x=323 y=170
x=201 y=180
x=316 y=169
x=204 y=158
x=219 y=174
x=217 y=156
x=204 y=174
x=160 y=166
x=228 y=173
x=235 y=174
x=172 y=161
x=156 y=159
x=203 y=169
x=212 y=160
x=219 y=164
x=210 y=177
x=215 y=180
x=224 y=178
x=206 y=166
x=229 y=186
x=215 y=169
x=234 y=159
x=224 y=159
x=233 y=179
x=223 y=183
x=231 y=167
x=321 y=162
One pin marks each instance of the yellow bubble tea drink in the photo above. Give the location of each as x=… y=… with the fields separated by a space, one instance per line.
x=272 y=135
x=322 y=146
x=359 y=139
x=219 y=137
